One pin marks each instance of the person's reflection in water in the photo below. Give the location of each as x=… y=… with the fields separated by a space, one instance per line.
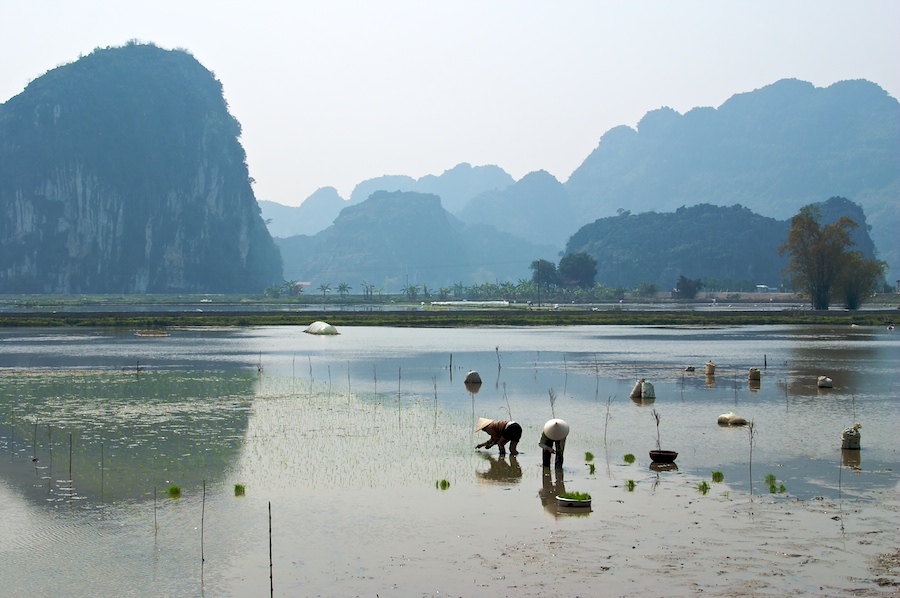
x=500 y=470
x=552 y=486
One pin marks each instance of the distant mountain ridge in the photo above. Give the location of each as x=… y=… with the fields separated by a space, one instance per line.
x=771 y=150
x=395 y=239
x=455 y=187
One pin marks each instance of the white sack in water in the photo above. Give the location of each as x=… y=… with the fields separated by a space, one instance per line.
x=321 y=328
x=731 y=419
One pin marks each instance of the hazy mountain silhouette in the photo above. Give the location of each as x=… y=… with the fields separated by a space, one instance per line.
x=772 y=150
x=316 y=213
x=535 y=208
x=395 y=239
x=455 y=187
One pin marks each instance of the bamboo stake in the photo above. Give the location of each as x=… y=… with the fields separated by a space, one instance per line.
x=750 y=428
x=202 y=523
x=271 y=583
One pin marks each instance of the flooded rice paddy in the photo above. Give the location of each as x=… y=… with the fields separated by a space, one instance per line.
x=362 y=445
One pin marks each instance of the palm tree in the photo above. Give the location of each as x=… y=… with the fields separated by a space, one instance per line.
x=325 y=288
x=343 y=289
x=412 y=291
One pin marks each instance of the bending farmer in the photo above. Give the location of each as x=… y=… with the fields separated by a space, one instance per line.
x=500 y=433
x=553 y=441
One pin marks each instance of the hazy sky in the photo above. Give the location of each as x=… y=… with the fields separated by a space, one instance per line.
x=330 y=93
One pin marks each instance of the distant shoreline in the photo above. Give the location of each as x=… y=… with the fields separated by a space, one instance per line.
x=414 y=317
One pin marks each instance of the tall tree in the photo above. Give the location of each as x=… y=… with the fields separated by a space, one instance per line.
x=579 y=269
x=686 y=288
x=858 y=279
x=544 y=273
x=819 y=254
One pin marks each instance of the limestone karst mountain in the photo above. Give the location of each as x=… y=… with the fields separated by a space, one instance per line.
x=122 y=173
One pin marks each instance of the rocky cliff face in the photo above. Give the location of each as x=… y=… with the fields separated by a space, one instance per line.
x=122 y=173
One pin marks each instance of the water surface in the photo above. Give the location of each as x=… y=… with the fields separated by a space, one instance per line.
x=346 y=438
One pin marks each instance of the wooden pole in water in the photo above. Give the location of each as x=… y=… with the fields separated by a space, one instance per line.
x=155 y=525
x=202 y=522
x=101 y=471
x=271 y=583
x=70 y=456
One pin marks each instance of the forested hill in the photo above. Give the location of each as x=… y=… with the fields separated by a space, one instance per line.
x=774 y=150
x=730 y=246
x=396 y=239
x=122 y=172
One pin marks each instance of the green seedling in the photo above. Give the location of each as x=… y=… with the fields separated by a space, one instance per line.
x=726 y=495
x=629 y=485
x=442 y=484
x=588 y=456
x=239 y=490
x=591 y=468
x=770 y=478
x=575 y=495
x=718 y=476
x=703 y=487
x=629 y=458
x=174 y=491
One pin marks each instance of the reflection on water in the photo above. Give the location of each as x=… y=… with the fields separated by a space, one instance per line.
x=851 y=458
x=552 y=485
x=110 y=435
x=500 y=470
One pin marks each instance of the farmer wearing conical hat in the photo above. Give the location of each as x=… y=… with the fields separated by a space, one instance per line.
x=553 y=441
x=500 y=433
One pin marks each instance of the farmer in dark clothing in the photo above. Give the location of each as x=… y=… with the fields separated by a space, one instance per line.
x=500 y=433
x=553 y=441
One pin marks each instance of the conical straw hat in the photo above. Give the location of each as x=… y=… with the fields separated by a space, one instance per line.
x=556 y=429
x=482 y=422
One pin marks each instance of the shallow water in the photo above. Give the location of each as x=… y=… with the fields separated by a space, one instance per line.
x=346 y=437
